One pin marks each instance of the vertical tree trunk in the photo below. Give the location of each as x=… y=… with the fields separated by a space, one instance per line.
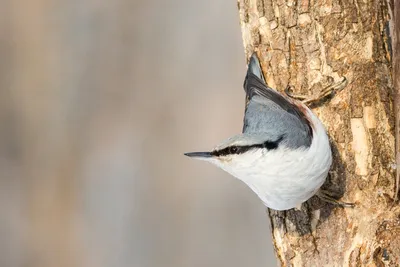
x=395 y=30
x=309 y=45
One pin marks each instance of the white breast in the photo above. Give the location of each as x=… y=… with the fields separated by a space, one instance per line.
x=284 y=178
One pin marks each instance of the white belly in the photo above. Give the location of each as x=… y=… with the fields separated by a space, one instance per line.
x=286 y=192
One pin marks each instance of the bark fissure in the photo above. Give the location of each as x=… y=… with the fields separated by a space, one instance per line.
x=309 y=45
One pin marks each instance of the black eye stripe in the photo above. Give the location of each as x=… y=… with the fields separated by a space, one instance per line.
x=270 y=145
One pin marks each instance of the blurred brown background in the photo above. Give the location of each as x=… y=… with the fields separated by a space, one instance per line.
x=98 y=102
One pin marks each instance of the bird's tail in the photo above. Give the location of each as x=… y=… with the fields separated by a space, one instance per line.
x=254 y=67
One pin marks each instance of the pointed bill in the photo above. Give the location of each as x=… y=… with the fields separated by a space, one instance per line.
x=199 y=155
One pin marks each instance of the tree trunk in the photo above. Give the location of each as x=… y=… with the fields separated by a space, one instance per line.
x=309 y=45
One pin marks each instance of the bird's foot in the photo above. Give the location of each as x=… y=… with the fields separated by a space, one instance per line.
x=327 y=91
x=324 y=195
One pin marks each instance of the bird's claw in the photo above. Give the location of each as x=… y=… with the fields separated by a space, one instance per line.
x=323 y=195
x=327 y=91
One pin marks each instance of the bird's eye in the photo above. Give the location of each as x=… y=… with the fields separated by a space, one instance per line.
x=234 y=149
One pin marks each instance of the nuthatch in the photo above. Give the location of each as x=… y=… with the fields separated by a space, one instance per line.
x=283 y=153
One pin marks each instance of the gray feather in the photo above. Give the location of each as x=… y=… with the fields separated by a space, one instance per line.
x=254 y=67
x=269 y=112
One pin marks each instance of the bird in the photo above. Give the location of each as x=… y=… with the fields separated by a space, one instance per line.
x=283 y=153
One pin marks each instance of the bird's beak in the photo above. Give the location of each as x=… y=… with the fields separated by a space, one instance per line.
x=199 y=155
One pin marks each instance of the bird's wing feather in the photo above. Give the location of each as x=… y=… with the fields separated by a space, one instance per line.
x=266 y=115
x=256 y=87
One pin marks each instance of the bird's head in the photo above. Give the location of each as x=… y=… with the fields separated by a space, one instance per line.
x=238 y=153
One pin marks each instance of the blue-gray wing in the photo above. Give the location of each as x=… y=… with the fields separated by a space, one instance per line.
x=269 y=112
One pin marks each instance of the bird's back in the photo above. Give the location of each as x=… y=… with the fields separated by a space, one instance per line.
x=269 y=112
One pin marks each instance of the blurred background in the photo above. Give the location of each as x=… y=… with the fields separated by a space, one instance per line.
x=98 y=102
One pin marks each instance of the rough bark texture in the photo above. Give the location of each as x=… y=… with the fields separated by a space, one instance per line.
x=395 y=30
x=310 y=44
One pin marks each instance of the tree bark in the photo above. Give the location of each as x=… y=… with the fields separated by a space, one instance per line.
x=309 y=45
